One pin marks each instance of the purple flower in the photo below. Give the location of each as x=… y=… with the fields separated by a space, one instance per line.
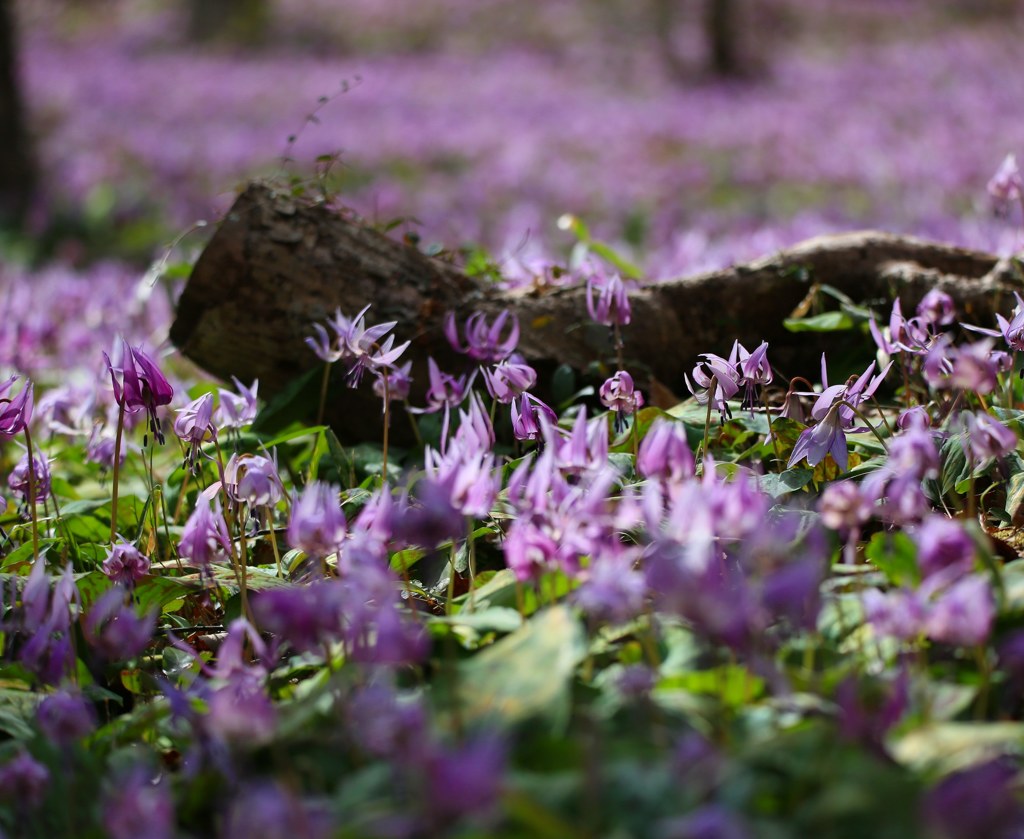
x=317 y=525
x=975 y=802
x=445 y=390
x=23 y=780
x=467 y=475
x=529 y=416
x=611 y=306
x=665 y=454
x=753 y=369
x=913 y=452
x=717 y=370
x=138 y=803
x=898 y=614
x=205 y=538
x=237 y=410
x=194 y=426
x=986 y=437
x=399 y=383
x=827 y=437
x=1012 y=331
x=114 y=627
x=484 y=343
x=44 y=621
x=867 y=710
x=65 y=717
x=963 y=613
x=613 y=589
x=711 y=821
x=125 y=564
x=15 y=413
x=19 y=483
x=306 y=617
x=844 y=508
x=834 y=410
x=936 y=308
x=1006 y=184
x=429 y=516
x=269 y=811
x=618 y=394
x=359 y=346
x=968 y=367
x=464 y=780
x=901 y=335
x=528 y=550
x=584 y=449
x=240 y=711
x=139 y=385
x=943 y=543
x=509 y=379
x=253 y=479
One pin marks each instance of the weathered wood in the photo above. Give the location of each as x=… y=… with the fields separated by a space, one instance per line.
x=277 y=264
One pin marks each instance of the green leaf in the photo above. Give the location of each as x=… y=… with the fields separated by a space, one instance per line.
x=825 y=322
x=895 y=555
x=493 y=619
x=525 y=674
x=949 y=746
x=777 y=484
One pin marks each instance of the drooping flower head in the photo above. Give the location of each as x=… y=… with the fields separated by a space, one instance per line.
x=618 y=394
x=236 y=410
x=1006 y=184
x=194 y=426
x=484 y=342
x=608 y=300
x=139 y=385
x=509 y=379
x=317 y=525
x=15 y=413
x=205 y=538
x=18 y=480
x=360 y=347
x=126 y=564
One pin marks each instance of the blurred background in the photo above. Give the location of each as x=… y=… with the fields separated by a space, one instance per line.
x=689 y=133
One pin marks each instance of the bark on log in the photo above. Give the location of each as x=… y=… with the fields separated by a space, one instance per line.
x=278 y=264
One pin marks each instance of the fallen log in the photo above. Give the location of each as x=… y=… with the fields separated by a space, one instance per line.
x=278 y=263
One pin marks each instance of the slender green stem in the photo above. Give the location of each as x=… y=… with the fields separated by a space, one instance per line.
x=323 y=394
x=707 y=420
x=387 y=427
x=771 y=428
x=32 y=494
x=471 y=561
x=116 y=472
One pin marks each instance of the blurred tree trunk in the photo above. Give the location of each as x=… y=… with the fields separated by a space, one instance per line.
x=240 y=21
x=721 y=23
x=17 y=169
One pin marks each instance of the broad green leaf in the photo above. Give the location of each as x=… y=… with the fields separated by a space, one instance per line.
x=492 y=619
x=895 y=555
x=949 y=746
x=777 y=484
x=525 y=674
x=825 y=322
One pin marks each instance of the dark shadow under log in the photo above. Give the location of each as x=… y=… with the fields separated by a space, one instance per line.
x=278 y=264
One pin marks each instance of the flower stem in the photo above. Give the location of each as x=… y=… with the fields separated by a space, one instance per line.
x=387 y=427
x=323 y=394
x=32 y=495
x=116 y=472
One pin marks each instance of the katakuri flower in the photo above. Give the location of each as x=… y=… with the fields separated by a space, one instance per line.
x=139 y=385
x=484 y=342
